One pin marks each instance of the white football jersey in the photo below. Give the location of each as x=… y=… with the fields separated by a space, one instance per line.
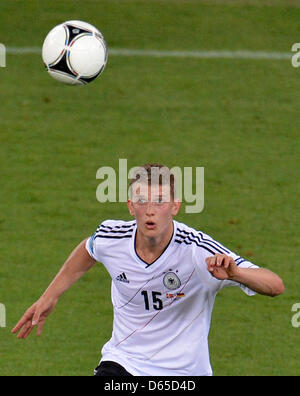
x=162 y=311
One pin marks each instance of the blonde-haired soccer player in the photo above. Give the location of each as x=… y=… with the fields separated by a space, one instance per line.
x=165 y=277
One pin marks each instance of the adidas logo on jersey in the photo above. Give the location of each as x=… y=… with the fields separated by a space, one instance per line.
x=122 y=278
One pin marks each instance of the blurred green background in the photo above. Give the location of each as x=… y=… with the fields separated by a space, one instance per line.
x=237 y=118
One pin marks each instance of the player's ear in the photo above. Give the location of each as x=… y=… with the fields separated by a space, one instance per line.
x=175 y=207
x=130 y=207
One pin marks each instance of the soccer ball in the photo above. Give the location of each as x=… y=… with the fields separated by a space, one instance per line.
x=74 y=53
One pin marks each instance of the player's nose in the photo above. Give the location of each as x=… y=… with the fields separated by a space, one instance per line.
x=150 y=208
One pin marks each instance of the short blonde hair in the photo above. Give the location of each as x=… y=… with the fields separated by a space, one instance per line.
x=157 y=173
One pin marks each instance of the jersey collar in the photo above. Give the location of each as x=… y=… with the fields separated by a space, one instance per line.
x=163 y=255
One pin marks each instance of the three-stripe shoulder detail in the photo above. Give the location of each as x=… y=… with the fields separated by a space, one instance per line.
x=115 y=231
x=190 y=237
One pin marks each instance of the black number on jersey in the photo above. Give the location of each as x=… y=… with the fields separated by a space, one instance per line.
x=157 y=302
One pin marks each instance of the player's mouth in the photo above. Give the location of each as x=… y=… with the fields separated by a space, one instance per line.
x=150 y=225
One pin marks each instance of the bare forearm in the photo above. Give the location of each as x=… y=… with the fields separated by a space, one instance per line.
x=78 y=263
x=261 y=280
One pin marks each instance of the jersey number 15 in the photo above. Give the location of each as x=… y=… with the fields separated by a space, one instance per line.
x=157 y=302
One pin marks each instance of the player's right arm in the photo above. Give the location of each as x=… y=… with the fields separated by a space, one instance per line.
x=78 y=263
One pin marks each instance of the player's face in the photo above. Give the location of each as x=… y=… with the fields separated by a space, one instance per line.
x=153 y=207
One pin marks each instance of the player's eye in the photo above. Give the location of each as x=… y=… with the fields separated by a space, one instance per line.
x=160 y=200
x=141 y=201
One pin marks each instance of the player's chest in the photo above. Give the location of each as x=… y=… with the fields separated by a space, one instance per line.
x=153 y=286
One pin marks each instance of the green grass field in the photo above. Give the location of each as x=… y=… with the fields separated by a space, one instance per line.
x=238 y=118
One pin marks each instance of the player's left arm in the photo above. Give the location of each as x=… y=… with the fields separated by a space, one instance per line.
x=260 y=280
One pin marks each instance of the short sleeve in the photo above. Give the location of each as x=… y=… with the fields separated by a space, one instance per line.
x=208 y=247
x=90 y=246
x=95 y=245
x=108 y=238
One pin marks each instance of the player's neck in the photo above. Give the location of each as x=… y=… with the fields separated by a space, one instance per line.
x=150 y=248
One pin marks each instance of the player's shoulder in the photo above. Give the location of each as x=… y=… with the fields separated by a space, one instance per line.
x=186 y=229
x=117 y=224
x=189 y=236
x=111 y=234
x=186 y=235
x=115 y=228
x=183 y=229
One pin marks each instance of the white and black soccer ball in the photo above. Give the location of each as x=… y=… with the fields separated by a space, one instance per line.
x=75 y=53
